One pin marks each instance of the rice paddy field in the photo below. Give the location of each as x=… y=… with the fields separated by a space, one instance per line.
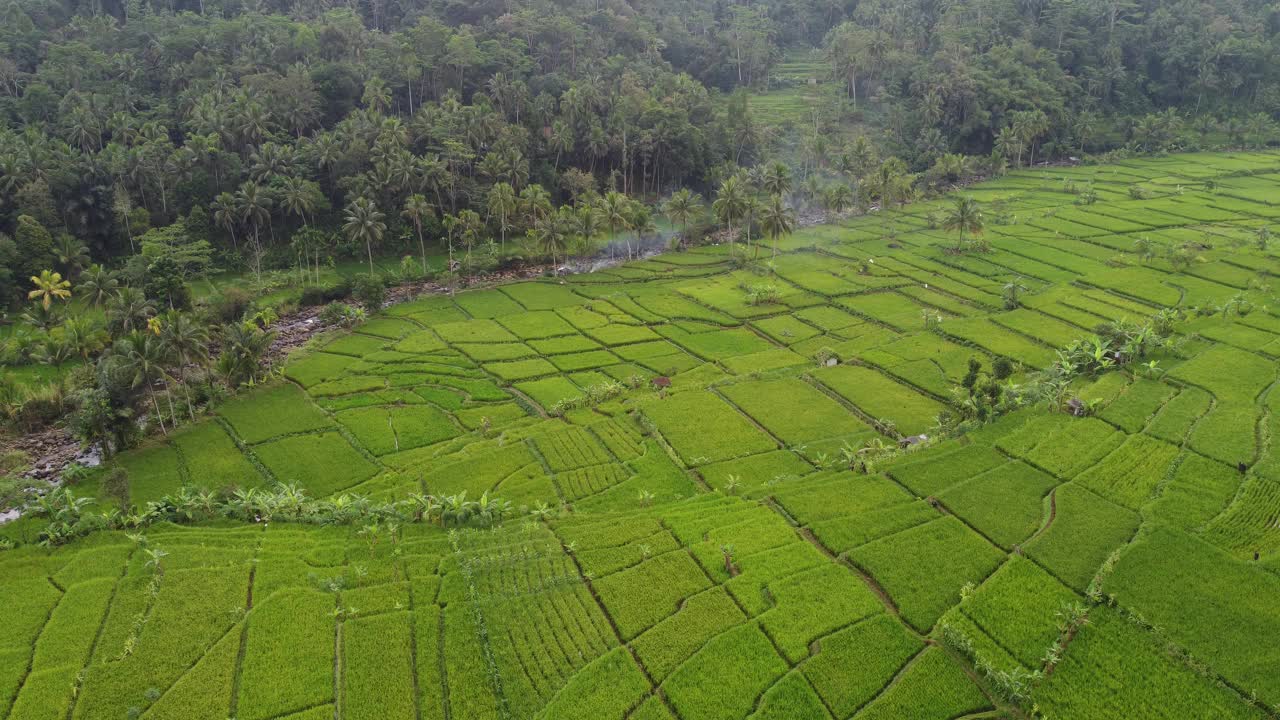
x=709 y=554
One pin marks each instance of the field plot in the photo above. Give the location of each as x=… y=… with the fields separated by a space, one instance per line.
x=924 y=568
x=795 y=411
x=657 y=492
x=677 y=417
x=881 y=398
x=1115 y=669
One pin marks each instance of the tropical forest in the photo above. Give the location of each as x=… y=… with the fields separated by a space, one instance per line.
x=639 y=360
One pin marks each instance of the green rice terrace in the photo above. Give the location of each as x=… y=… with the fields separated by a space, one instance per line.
x=718 y=501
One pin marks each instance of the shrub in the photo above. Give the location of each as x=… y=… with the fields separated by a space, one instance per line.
x=231 y=305
x=341 y=314
x=763 y=294
x=116 y=486
x=370 y=291
x=312 y=297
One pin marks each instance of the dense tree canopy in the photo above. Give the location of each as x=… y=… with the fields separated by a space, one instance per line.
x=121 y=117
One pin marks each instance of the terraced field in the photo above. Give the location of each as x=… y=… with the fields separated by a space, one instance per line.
x=710 y=554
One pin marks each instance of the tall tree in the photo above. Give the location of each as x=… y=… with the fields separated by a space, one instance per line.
x=363 y=223
x=729 y=205
x=681 y=207
x=502 y=205
x=615 y=209
x=964 y=217
x=777 y=220
x=186 y=342
x=416 y=210
x=253 y=207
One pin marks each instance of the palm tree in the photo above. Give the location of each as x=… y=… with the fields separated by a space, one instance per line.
x=187 y=342
x=641 y=222
x=143 y=358
x=1012 y=294
x=502 y=205
x=729 y=205
x=837 y=197
x=451 y=226
x=776 y=179
x=226 y=215
x=551 y=235
x=49 y=287
x=82 y=335
x=561 y=140
x=777 y=220
x=364 y=224
x=615 y=209
x=243 y=347
x=891 y=183
x=98 y=284
x=416 y=208
x=965 y=216
x=254 y=208
x=535 y=203
x=129 y=311
x=588 y=226
x=471 y=227
x=298 y=197
x=72 y=255
x=42 y=318
x=750 y=208
x=682 y=207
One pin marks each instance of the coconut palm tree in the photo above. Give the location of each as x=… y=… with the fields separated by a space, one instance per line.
x=615 y=209
x=589 y=226
x=551 y=235
x=253 y=207
x=49 y=287
x=143 y=360
x=641 y=222
x=187 y=343
x=965 y=217
x=298 y=197
x=1012 y=293
x=837 y=197
x=128 y=311
x=42 y=318
x=82 y=335
x=750 y=210
x=682 y=207
x=226 y=216
x=776 y=179
x=364 y=224
x=502 y=205
x=243 y=347
x=72 y=255
x=416 y=209
x=729 y=205
x=97 y=284
x=776 y=219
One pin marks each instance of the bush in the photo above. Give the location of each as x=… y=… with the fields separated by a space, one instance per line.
x=231 y=305
x=370 y=291
x=14 y=491
x=314 y=296
x=116 y=486
x=341 y=314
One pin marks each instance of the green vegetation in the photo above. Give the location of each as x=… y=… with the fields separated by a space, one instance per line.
x=636 y=493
